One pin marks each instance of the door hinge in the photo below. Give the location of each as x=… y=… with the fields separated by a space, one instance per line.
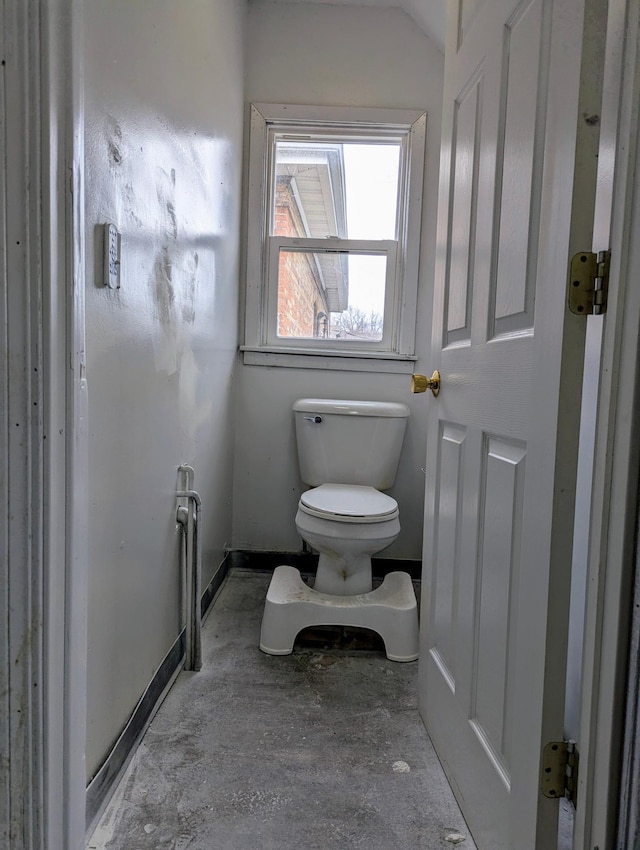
x=589 y=283
x=559 y=771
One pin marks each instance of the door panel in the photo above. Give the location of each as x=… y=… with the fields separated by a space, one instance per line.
x=467 y=122
x=497 y=577
x=447 y=570
x=500 y=481
x=518 y=128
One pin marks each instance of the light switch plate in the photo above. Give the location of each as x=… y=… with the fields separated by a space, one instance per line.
x=111 y=256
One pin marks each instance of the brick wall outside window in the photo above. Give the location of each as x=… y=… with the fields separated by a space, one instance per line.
x=301 y=297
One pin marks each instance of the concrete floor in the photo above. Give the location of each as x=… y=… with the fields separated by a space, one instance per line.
x=319 y=750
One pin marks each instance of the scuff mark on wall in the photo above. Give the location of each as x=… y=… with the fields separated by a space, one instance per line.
x=129 y=204
x=175 y=275
x=165 y=346
x=163 y=286
x=167 y=349
x=114 y=140
x=189 y=302
x=166 y=192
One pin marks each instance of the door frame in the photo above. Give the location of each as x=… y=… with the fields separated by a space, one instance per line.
x=65 y=379
x=617 y=453
x=65 y=28
x=45 y=583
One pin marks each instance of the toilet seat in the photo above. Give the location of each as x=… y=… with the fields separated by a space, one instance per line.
x=348 y=503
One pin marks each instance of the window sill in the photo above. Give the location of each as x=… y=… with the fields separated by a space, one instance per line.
x=340 y=361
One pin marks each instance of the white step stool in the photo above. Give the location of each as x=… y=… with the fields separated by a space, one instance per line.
x=390 y=610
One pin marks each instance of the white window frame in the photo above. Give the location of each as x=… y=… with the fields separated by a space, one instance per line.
x=386 y=248
x=261 y=344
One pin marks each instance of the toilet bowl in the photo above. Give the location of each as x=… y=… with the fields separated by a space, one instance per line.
x=346 y=524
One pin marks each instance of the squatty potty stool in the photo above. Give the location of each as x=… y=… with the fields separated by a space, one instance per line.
x=390 y=610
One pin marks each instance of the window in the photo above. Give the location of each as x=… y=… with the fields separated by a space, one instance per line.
x=334 y=206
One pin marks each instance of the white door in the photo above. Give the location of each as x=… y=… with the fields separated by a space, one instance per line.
x=515 y=203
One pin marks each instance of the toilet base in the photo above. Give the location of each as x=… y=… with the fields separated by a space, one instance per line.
x=390 y=610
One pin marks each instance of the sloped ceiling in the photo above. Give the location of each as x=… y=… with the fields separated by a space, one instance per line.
x=430 y=15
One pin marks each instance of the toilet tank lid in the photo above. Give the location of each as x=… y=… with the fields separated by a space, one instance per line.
x=347 y=407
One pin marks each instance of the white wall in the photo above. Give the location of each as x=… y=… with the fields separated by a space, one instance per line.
x=164 y=87
x=341 y=56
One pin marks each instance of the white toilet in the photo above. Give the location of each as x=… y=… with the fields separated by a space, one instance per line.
x=349 y=452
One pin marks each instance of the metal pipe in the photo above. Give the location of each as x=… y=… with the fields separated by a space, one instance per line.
x=189 y=476
x=194 y=572
x=193 y=567
x=183 y=519
x=196 y=645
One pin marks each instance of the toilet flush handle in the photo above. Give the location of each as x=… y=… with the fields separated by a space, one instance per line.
x=316 y=419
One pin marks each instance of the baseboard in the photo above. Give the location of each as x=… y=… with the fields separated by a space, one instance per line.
x=99 y=788
x=102 y=785
x=307 y=562
x=214 y=585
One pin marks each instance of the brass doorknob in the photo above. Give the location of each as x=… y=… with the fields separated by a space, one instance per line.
x=420 y=383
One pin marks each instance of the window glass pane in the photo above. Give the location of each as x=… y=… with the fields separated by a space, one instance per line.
x=331 y=295
x=346 y=189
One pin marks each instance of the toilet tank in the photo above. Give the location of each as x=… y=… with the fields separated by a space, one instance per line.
x=349 y=442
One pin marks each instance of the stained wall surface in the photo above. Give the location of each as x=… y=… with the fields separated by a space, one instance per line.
x=163 y=100
x=341 y=56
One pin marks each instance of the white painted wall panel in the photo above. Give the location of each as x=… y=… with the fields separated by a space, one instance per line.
x=334 y=55
x=513 y=277
x=450 y=487
x=496 y=588
x=467 y=122
x=164 y=83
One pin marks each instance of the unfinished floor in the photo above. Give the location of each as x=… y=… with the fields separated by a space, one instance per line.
x=320 y=750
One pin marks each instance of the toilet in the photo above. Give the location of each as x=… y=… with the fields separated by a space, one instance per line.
x=348 y=452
